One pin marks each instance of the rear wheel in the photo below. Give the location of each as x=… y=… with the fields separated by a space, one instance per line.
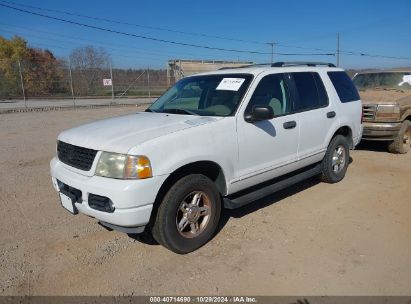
x=336 y=159
x=188 y=215
x=402 y=142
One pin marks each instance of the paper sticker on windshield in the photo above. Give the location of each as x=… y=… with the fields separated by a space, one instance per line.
x=405 y=79
x=230 y=84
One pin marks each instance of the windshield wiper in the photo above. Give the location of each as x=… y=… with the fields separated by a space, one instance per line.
x=149 y=110
x=179 y=111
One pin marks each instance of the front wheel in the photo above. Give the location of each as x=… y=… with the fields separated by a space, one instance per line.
x=402 y=141
x=188 y=215
x=336 y=159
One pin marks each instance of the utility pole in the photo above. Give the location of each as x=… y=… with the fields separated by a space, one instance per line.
x=112 y=83
x=148 y=81
x=272 y=50
x=22 y=84
x=71 y=84
x=181 y=71
x=168 y=75
x=338 y=49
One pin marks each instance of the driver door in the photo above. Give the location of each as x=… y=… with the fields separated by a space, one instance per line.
x=267 y=149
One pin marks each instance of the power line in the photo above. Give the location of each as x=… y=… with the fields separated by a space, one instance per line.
x=129 y=34
x=118 y=52
x=115 y=48
x=71 y=39
x=329 y=51
x=133 y=24
x=160 y=28
x=156 y=39
x=280 y=44
x=109 y=45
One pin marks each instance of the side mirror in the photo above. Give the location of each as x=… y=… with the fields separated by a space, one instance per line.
x=260 y=113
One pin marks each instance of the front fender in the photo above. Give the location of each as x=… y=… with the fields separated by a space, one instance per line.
x=215 y=142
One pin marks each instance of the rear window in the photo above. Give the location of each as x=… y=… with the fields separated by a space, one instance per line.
x=344 y=86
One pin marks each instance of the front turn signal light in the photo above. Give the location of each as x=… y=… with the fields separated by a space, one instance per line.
x=137 y=167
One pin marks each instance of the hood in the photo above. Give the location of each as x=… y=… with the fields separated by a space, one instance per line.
x=120 y=134
x=385 y=96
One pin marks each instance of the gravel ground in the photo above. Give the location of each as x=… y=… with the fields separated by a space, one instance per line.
x=350 y=238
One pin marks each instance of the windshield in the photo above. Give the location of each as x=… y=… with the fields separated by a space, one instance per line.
x=209 y=95
x=387 y=80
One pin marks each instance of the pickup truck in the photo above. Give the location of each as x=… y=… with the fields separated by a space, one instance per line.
x=219 y=139
x=386 y=97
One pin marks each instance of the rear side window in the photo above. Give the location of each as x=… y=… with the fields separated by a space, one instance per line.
x=310 y=91
x=344 y=86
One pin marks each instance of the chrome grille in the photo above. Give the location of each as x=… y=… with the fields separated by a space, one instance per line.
x=368 y=112
x=74 y=156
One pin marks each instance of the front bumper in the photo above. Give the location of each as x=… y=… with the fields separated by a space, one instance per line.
x=380 y=130
x=132 y=199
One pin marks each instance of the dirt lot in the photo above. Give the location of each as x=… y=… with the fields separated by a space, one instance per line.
x=352 y=238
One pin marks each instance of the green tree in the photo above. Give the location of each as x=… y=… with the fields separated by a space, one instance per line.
x=40 y=69
x=11 y=51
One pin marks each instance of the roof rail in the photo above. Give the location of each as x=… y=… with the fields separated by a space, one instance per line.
x=281 y=64
x=296 y=63
x=229 y=68
x=245 y=66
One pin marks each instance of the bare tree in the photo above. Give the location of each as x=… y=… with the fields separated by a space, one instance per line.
x=90 y=66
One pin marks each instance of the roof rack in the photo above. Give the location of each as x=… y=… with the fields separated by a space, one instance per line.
x=229 y=68
x=296 y=63
x=245 y=66
x=282 y=64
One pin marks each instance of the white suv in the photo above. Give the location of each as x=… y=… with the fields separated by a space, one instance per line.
x=223 y=138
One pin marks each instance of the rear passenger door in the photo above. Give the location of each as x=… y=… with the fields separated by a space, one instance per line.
x=350 y=109
x=315 y=115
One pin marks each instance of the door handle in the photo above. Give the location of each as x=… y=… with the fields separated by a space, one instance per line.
x=331 y=114
x=290 y=124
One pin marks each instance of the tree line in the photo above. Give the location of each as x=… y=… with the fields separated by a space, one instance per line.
x=42 y=74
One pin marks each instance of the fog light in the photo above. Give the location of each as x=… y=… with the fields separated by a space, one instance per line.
x=100 y=203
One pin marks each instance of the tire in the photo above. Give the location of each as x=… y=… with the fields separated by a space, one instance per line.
x=193 y=203
x=336 y=159
x=401 y=144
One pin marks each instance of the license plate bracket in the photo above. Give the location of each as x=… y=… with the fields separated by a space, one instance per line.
x=67 y=200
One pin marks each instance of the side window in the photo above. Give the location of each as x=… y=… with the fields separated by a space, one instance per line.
x=311 y=93
x=344 y=86
x=271 y=91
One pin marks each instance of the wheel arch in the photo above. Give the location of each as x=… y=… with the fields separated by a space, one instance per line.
x=345 y=131
x=208 y=168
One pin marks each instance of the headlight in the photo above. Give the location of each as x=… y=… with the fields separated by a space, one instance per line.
x=388 y=112
x=123 y=166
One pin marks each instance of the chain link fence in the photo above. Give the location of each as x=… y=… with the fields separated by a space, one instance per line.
x=24 y=80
